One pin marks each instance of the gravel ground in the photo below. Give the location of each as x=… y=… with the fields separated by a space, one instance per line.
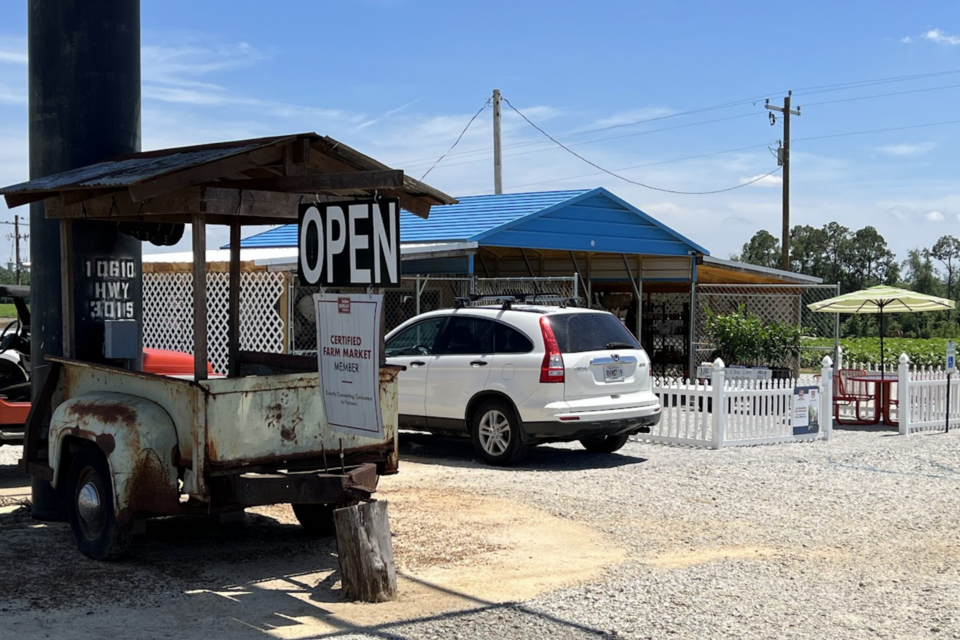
x=855 y=538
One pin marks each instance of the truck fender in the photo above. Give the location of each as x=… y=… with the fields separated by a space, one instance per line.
x=139 y=441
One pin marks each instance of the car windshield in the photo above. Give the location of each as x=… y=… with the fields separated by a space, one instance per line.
x=579 y=332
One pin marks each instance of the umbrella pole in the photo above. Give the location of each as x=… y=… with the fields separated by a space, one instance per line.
x=883 y=368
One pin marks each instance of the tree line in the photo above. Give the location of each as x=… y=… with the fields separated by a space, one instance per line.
x=860 y=259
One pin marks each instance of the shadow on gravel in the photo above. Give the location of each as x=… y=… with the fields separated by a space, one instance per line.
x=458 y=452
x=867 y=428
x=12 y=478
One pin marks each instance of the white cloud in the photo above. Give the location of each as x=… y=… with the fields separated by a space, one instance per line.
x=13 y=57
x=658 y=209
x=933 y=216
x=906 y=39
x=387 y=114
x=12 y=95
x=938 y=36
x=908 y=149
x=629 y=117
x=763 y=181
x=13 y=51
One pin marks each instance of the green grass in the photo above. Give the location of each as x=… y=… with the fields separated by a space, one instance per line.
x=923 y=352
x=8 y=311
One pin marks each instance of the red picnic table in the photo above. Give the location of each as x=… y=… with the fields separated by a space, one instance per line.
x=882 y=394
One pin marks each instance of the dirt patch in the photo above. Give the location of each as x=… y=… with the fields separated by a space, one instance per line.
x=455 y=551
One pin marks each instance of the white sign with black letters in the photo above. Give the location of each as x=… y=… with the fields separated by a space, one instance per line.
x=350 y=244
x=111 y=278
x=348 y=348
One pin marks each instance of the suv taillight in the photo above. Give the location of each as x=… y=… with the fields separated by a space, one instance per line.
x=552 y=368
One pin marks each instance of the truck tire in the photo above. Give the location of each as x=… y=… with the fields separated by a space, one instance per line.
x=604 y=444
x=317 y=519
x=496 y=434
x=92 y=518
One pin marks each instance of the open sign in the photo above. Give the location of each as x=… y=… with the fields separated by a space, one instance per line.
x=350 y=244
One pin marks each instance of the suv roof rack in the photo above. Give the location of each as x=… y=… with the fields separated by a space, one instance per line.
x=508 y=299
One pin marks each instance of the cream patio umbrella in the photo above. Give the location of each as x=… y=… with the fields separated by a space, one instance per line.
x=879 y=300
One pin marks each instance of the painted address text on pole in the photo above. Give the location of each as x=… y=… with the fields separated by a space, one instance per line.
x=111 y=279
x=348 y=349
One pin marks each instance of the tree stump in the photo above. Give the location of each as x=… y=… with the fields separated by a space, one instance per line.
x=367 y=571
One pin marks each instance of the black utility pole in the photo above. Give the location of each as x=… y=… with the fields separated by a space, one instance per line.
x=783 y=157
x=84 y=87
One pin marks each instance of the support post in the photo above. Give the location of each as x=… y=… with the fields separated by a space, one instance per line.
x=497 y=157
x=67 y=288
x=692 y=357
x=367 y=570
x=233 y=319
x=640 y=297
x=635 y=284
x=826 y=397
x=718 y=380
x=590 y=280
x=416 y=302
x=199 y=298
x=903 y=394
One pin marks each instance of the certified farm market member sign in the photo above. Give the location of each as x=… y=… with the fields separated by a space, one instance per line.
x=350 y=244
x=348 y=347
x=806 y=410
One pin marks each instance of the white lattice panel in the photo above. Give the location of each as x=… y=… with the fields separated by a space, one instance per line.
x=168 y=313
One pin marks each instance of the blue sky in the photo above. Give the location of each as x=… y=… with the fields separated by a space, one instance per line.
x=399 y=79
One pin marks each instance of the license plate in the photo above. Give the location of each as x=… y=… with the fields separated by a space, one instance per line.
x=612 y=373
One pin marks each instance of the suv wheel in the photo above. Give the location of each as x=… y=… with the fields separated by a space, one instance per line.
x=496 y=434
x=604 y=444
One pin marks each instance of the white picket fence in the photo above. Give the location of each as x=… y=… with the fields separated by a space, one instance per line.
x=723 y=413
x=922 y=399
x=919 y=397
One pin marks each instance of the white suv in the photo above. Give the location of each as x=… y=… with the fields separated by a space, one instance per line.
x=519 y=375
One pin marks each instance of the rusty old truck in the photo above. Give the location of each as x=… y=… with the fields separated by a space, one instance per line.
x=121 y=445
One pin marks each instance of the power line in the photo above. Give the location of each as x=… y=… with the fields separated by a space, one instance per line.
x=738 y=149
x=643 y=166
x=882 y=95
x=459 y=137
x=826 y=88
x=620 y=137
x=866 y=131
x=619 y=177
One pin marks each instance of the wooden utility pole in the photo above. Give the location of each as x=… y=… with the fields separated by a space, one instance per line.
x=783 y=157
x=16 y=245
x=497 y=159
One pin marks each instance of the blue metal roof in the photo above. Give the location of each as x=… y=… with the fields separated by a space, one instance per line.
x=580 y=220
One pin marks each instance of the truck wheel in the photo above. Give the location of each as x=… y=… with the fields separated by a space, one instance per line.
x=317 y=519
x=92 y=518
x=604 y=444
x=496 y=434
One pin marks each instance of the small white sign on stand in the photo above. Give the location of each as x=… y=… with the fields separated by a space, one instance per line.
x=806 y=410
x=348 y=348
x=951 y=358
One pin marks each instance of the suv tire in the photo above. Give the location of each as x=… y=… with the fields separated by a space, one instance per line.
x=495 y=430
x=604 y=444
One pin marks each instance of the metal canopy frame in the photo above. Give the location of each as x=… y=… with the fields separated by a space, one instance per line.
x=244 y=182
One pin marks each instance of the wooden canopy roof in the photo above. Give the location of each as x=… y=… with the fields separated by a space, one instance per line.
x=260 y=180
